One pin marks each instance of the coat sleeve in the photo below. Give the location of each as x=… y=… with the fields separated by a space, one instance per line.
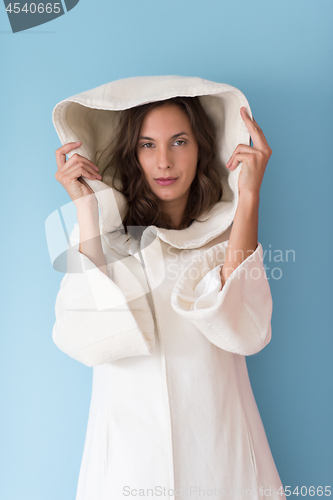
x=236 y=318
x=96 y=320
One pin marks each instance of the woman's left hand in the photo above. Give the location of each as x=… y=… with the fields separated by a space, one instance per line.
x=254 y=159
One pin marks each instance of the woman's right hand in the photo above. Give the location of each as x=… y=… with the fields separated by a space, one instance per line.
x=70 y=172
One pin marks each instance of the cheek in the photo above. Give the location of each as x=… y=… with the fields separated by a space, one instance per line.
x=192 y=164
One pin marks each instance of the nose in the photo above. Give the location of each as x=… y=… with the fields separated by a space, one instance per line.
x=163 y=158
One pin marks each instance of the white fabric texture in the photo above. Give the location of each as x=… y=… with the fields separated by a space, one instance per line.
x=236 y=318
x=172 y=408
x=206 y=291
x=91 y=337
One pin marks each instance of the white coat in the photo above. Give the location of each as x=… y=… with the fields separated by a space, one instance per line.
x=172 y=411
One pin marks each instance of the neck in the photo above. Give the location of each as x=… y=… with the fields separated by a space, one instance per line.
x=175 y=210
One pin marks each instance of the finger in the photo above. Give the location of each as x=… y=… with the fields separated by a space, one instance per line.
x=240 y=157
x=66 y=148
x=241 y=148
x=76 y=177
x=250 y=123
x=255 y=131
x=260 y=131
x=261 y=134
x=76 y=158
x=256 y=124
x=79 y=169
x=63 y=150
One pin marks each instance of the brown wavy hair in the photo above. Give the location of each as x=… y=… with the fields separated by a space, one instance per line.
x=143 y=207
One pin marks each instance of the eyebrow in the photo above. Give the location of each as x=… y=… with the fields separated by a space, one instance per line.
x=173 y=137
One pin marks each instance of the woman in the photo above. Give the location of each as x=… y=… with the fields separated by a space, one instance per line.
x=173 y=293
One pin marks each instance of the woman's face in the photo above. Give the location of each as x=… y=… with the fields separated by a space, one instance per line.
x=167 y=148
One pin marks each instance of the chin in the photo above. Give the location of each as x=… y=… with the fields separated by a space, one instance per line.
x=165 y=192
x=167 y=196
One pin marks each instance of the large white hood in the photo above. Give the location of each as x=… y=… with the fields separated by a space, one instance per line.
x=92 y=118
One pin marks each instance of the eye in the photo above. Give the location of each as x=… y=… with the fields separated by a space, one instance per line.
x=180 y=140
x=147 y=144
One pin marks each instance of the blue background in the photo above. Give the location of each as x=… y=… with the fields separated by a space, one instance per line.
x=279 y=54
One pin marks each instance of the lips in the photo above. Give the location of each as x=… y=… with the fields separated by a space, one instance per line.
x=166 y=178
x=166 y=181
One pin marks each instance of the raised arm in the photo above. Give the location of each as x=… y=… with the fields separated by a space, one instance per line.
x=90 y=239
x=243 y=239
x=69 y=175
